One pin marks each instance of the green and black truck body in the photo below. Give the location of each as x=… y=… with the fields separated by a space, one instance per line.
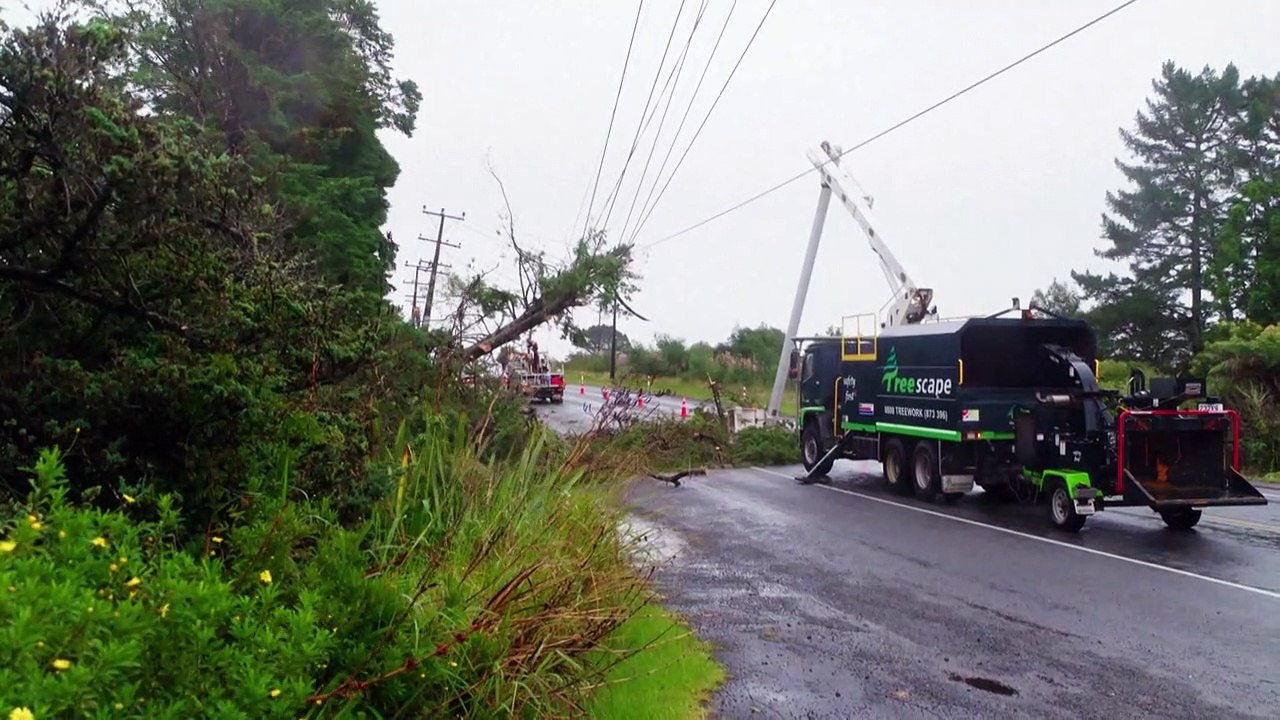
x=1012 y=404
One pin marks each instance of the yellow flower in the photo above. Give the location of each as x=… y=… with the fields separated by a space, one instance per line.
x=113 y=567
x=32 y=518
x=164 y=610
x=133 y=582
x=275 y=693
x=453 y=664
x=216 y=539
x=128 y=498
x=265 y=576
x=21 y=713
x=61 y=664
x=37 y=525
x=99 y=541
x=7 y=545
x=62 y=533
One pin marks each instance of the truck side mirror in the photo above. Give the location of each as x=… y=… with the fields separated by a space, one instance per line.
x=793 y=367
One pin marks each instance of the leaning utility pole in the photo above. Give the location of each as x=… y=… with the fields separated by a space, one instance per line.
x=435 y=261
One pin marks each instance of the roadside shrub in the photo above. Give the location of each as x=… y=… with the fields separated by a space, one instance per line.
x=476 y=589
x=101 y=617
x=1243 y=365
x=766 y=446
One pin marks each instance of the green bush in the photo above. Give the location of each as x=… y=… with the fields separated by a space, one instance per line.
x=766 y=446
x=101 y=616
x=1243 y=365
x=477 y=588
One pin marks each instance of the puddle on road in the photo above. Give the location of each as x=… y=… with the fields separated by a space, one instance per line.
x=652 y=545
x=986 y=684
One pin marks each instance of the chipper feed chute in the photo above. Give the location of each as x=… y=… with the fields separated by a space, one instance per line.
x=1173 y=459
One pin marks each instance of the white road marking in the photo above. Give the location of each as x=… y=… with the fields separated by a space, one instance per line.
x=1185 y=573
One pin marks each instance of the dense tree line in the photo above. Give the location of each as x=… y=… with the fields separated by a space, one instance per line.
x=1198 y=230
x=233 y=480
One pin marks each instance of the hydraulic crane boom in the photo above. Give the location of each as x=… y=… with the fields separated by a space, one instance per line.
x=910 y=303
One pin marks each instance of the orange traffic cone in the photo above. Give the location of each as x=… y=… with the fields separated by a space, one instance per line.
x=684 y=407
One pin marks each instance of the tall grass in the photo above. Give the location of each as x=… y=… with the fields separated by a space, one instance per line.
x=513 y=573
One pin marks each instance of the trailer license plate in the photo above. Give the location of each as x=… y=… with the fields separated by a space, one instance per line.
x=1084 y=506
x=1210 y=407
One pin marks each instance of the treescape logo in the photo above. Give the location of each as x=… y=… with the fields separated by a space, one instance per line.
x=906 y=385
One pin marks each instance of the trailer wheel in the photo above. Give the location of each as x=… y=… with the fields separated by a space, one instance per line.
x=1181 y=519
x=897 y=472
x=811 y=449
x=928 y=481
x=1062 y=509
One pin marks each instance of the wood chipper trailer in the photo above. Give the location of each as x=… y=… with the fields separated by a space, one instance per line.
x=1012 y=404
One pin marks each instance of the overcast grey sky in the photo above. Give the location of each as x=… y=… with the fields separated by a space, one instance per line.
x=989 y=197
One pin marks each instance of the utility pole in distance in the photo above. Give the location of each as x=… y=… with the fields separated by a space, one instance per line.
x=418 y=267
x=435 y=261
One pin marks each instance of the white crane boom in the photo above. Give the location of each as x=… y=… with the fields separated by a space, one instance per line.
x=910 y=304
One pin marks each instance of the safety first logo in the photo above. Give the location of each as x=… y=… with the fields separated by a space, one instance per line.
x=897 y=384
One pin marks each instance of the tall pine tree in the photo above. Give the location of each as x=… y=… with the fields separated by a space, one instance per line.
x=1247 y=265
x=1166 y=224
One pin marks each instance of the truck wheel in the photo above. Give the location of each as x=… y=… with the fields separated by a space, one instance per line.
x=1062 y=509
x=897 y=472
x=1181 y=519
x=811 y=449
x=928 y=481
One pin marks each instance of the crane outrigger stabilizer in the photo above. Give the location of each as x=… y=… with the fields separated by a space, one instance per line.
x=909 y=303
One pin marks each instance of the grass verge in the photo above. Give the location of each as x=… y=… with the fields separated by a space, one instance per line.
x=665 y=671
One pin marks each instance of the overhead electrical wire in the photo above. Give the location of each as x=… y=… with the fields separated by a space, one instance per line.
x=692 y=99
x=891 y=128
x=644 y=121
x=706 y=117
x=604 y=151
x=676 y=71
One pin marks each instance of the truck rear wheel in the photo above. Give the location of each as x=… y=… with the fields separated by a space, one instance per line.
x=1062 y=509
x=1181 y=519
x=811 y=450
x=897 y=471
x=928 y=479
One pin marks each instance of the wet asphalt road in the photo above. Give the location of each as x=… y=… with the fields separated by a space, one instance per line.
x=840 y=600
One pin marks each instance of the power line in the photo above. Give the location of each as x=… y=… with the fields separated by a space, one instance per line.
x=895 y=126
x=604 y=151
x=644 y=122
x=676 y=71
x=706 y=117
x=692 y=98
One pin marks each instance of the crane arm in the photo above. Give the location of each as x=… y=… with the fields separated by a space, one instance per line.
x=911 y=303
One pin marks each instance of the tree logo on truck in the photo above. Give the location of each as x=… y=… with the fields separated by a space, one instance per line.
x=897 y=384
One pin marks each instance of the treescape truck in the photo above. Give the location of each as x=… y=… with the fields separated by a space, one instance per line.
x=1010 y=403
x=1013 y=404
